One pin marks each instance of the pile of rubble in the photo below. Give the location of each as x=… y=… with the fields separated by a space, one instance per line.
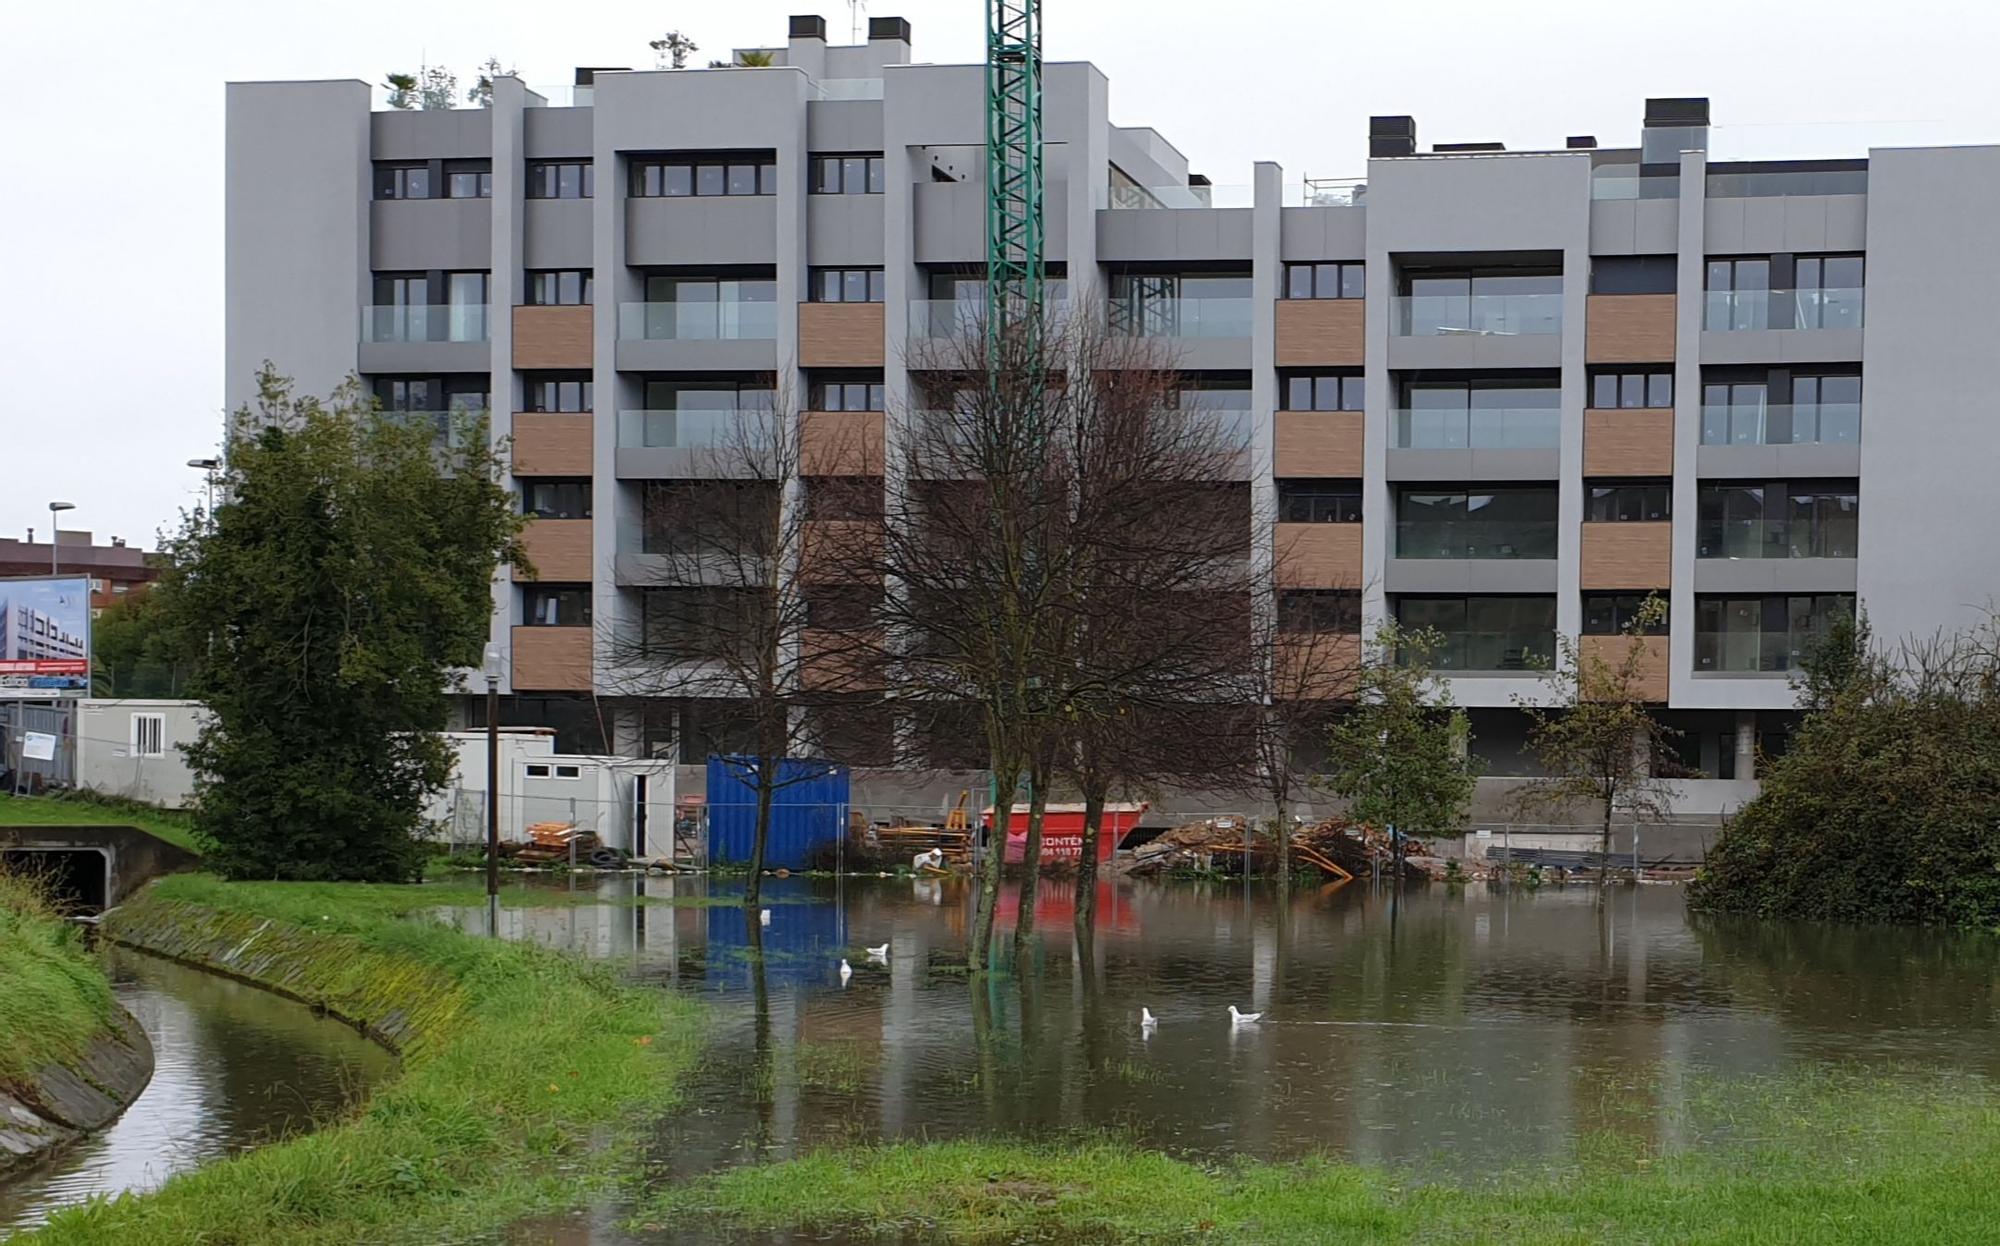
x=1333 y=846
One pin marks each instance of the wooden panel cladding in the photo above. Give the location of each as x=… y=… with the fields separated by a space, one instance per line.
x=841 y=443
x=840 y=335
x=840 y=661
x=551 y=659
x=1651 y=669
x=551 y=445
x=1317 y=666
x=1323 y=444
x=552 y=337
x=1629 y=328
x=1318 y=555
x=1627 y=556
x=559 y=549
x=1637 y=442
x=1320 y=333
x=836 y=551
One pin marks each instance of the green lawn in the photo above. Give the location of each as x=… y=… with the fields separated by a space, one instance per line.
x=53 y=994
x=176 y=828
x=525 y=1074
x=1905 y=1161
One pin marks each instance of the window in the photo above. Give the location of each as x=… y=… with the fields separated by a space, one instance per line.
x=1319 y=501
x=708 y=309
x=1196 y=304
x=556 y=499
x=1323 y=391
x=120 y=588
x=431 y=393
x=671 y=179
x=846 y=285
x=401 y=290
x=569 y=772
x=1761 y=633
x=1630 y=502
x=1509 y=301
x=1631 y=388
x=561 y=179
x=1320 y=610
x=1611 y=614
x=1523 y=414
x=1325 y=281
x=149 y=735
x=543 y=606
x=1828 y=292
x=859 y=174
x=1633 y=274
x=557 y=391
x=402 y=181
x=1485 y=633
x=468 y=179
x=559 y=287
x=1211 y=395
x=1510 y=522
x=96 y=585
x=535 y=770
x=847 y=395
x=1739 y=295
x=1781 y=519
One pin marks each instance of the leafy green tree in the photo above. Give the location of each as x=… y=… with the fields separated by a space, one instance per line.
x=1882 y=807
x=128 y=651
x=324 y=614
x=1599 y=743
x=402 y=90
x=1397 y=755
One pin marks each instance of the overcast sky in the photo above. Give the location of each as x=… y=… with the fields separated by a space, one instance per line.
x=111 y=178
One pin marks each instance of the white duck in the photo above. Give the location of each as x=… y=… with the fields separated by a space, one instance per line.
x=763 y=917
x=1243 y=1018
x=879 y=953
x=1146 y=1018
x=846 y=971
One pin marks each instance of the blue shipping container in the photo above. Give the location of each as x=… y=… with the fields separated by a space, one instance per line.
x=808 y=812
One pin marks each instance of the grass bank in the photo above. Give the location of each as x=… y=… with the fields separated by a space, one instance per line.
x=84 y=809
x=1832 y=1161
x=519 y=1065
x=54 y=997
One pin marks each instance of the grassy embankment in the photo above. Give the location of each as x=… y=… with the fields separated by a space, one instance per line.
x=519 y=1066
x=1849 y=1160
x=85 y=810
x=54 y=996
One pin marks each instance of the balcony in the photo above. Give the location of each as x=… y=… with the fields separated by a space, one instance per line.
x=442 y=338
x=1651 y=669
x=1476 y=538
x=1444 y=552
x=1479 y=428
x=552 y=444
x=551 y=659
x=840 y=335
x=1751 y=311
x=558 y=550
x=553 y=337
x=1632 y=555
x=1317 y=444
x=1317 y=555
x=1320 y=332
x=1196 y=332
x=1628 y=441
x=1482 y=315
x=729 y=334
x=1777 y=538
x=1778 y=440
x=683 y=444
x=965 y=318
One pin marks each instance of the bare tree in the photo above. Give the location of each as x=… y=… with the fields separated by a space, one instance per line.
x=1600 y=742
x=741 y=619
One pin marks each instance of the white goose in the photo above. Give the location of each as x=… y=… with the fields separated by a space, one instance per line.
x=846 y=971
x=879 y=953
x=1243 y=1018
x=1146 y=1018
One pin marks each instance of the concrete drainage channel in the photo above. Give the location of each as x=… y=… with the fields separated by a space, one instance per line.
x=62 y=1102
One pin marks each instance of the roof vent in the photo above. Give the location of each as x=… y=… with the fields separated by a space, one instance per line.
x=806 y=26
x=1464 y=147
x=889 y=28
x=1580 y=142
x=1392 y=136
x=1684 y=111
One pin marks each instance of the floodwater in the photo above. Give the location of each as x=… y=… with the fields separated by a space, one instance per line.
x=234 y=1067
x=1458 y=1032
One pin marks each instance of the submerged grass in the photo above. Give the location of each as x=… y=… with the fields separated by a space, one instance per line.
x=519 y=1066
x=1805 y=1159
x=54 y=996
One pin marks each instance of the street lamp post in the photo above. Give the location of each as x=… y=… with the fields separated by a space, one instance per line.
x=491 y=667
x=56 y=508
x=209 y=467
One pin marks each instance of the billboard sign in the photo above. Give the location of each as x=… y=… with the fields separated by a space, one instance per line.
x=45 y=638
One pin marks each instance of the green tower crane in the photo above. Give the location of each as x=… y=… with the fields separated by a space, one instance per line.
x=1013 y=172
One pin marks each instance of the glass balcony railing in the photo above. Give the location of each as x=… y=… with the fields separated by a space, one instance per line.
x=1178 y=196
x=1192 y=317
x=1327 y=193
x=720 y=321
x=1476 y=538
x=461 y=322
x=1483 y=428
x=1776 y=538
x=1616 y=182
x=1500 y=315
x=1780 y=424
x=966 y=317
x=1746 y=652
x=1514 y=650
x=1731 y=311
x=694 y=430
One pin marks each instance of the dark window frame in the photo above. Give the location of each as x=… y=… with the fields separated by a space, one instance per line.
x=704 y=177
x=873 y=280
x=1325 y=279
x=577 y=505
x=481 y=171
x=1628 y=501
x=584 y=279
x=830 y=173
x=393 y=177
x=1308 y=500
x=534 y=595
x=1348 y=389
x=1654 y=386
x=539 y=389
x=545 y=179
x=1611 y=614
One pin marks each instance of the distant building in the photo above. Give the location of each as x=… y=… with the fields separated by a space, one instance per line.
x=116 y=570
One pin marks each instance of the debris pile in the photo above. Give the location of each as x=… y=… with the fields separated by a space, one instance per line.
x=1335 y=847
x=552 y=843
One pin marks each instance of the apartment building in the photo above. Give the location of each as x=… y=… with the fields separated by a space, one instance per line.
x=1505 y=394
x=115 y=569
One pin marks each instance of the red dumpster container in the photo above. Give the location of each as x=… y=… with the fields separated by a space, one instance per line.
x=1062 y=829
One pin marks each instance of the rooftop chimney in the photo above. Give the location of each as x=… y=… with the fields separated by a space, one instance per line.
x=807 y=26
x=888 y=28
x=1580 y=142
x=1685 y=111
x=1392 y=136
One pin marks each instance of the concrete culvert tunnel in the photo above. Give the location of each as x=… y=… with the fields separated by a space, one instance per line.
x=77 y=879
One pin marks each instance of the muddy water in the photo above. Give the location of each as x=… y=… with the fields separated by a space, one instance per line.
x=1460 y=1032
x=235 y=1067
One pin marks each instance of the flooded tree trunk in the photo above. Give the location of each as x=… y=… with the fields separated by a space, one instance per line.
x=767 y=779
x=1031 y=857
x=1282 y=834
x=1086 y=866
x=979 y=947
